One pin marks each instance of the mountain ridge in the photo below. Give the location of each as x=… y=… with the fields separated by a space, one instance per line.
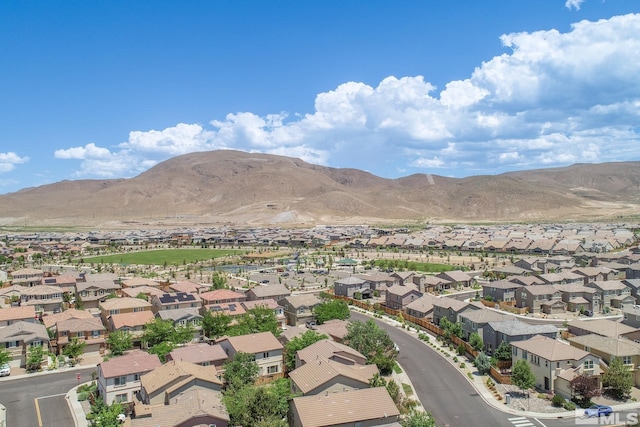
x=226 y=186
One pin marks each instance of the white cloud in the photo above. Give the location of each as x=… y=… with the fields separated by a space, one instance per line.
x=551 y=99
x=89 y=151
x=8 y=161
x=573 y=4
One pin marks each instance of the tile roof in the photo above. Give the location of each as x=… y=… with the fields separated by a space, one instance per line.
x=132 y=319
x=604 y=327
x=199 y=353
x=609 y=345
x=180 y=313
x=345 y=407
x=132 y=362
x=327 y=349
x=515 y=327
x=314 y=374
x=71 y=313
x=255 y=343
x=135 y=282
x=270 y=290
x=550 y=349
x=17 y=313
x=165 y=376
x=221 y=294
x=123 y=303
x=29 y=331
x=302 y=300
x=80 y=325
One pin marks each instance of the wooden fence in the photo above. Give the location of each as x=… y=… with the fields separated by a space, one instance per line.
x=510 y=308
x=500 y=377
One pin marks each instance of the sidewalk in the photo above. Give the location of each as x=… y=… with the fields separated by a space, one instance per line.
x=478 y=380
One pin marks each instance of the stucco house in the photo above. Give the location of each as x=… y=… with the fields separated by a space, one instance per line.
x=119 y=378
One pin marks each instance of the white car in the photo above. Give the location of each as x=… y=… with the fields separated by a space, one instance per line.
x=5 y=370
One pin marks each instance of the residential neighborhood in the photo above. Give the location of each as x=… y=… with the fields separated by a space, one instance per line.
x=162 y=341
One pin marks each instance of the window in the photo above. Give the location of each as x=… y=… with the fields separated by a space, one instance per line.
x=119 y=381
x=265 y=355
x=587 y=349
x=272 y=369
x=588 y=365
x=525 y=354
x=120 y=398
x=95 y=334
x=112 y=312
x=626 y=360
x=12 y=344
x=80 y=334
x=138 y=309
x=136 y=377
x=524 y=295
x=35 y=344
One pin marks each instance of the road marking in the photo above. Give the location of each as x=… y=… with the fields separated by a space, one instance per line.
x=521 y=422
x=38 y=406
x=540 y=422
x=38 y=412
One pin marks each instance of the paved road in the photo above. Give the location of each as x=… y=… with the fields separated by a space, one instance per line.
x=24 y=396
x=444 y=392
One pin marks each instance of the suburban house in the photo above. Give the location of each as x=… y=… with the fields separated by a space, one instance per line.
x=278 y=310
x=450 y=308
x=579 y=297
x=614 y=293
x=18 y=337
x=541 y=298
x=335 y=329
x=330 y=350
x=368 y=407
x=189 y=286
x=119 y=378
x=147 y=291
x=631 y=316
x=350 y=285
x=52 y=320
x=184 y=317
x=422 y=307
x=634 y=285
x=298 y=309
x=500 y=290
x=326 y=376
x=609 y=348
x=92 y=293
x=457 y=278
x=275 y=292
x=547 y=357
x=133 y=323
x=45 y=299
x=172 y=378
x=135 y=282
x=429 y=283
x=200 y=354
x=123 y=305
x=10 y=295
x=513 y=330
x=475 y=321
x=11 y=315
x=233 y=309
x=27 y=277
x=266 y=348
x=398 y=296
x=380 y=281
x=604 y=327
x=90 y=330
x=174 y=301
x=592 y=274
x=196 y=406
x=221 y=296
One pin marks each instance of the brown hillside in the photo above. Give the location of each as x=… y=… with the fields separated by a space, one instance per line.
x=244 y=188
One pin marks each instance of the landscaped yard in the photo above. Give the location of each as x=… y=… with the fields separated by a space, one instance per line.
x=162 y=257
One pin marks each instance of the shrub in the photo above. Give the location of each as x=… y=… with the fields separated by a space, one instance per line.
x=470 y=375
x=82 y=396
x=542 y=396
x=557 y=400
x=569 y=406
x=455 y=359
x=462 y=365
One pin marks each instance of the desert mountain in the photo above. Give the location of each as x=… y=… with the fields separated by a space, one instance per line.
x=244 y=188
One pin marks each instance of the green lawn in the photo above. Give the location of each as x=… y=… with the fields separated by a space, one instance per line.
x=160 y=257
x=416 y=266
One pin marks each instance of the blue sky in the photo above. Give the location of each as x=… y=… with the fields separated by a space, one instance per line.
x=107 y=89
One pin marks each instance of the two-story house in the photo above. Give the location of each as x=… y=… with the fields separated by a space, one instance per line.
x=451 y=308
x=457 y=278
x=119 y=378
x=12 y=315
x=265 y=347
x=540 y=299
x=298 y=309
x=476 y=320
x=274 y=291
x=184 y=317
x=614 y=293
x=201 y=354
x=94 y=292
x=422 y=307
x=27 y=277
x=18 y=337
x=323 y=376
x=500 y=290
x=398 y=296
x=631 y=316
x=579 y=297
x=278 y=310
x=174 y=301
x=548 y=357
x=513 y=330
x=45 y=299
x=90 y=330
x=350 y=285
x=609 y=348
x=113 y=306
x=604 y=327
x=221 y=296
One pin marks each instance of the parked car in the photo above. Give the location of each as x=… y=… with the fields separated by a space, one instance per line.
x=311 y=324
x=5 y=370
x=598 y=411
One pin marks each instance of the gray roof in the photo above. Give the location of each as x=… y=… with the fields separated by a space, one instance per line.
x=516 y=327
x=179 y=313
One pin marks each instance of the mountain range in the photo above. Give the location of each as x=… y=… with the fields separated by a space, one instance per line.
x=233 y=187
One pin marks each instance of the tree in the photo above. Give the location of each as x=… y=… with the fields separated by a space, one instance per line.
x=241 y=370
x=158 y=331
x=483 y=363
x=119 y=342
x=373 y=342
x=298 y=343
x=521 y=375
x=103 y=415
x=332 y=309
x=258 y=319
x=475 y=340
x=503 y=352
x=255 y=406
x=162 y=349
x=5 y=357
x=218 y=282
x=585 y=388
x=418 y=419
x=618 y=379
x=74 y=349
x=143 y=296
x=215 y=325
x=34 y=358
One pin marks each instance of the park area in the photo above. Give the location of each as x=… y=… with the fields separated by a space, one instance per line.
x=162 y=257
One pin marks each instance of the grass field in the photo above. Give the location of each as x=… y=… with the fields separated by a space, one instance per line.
x=160 y=257
x=415 y=266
